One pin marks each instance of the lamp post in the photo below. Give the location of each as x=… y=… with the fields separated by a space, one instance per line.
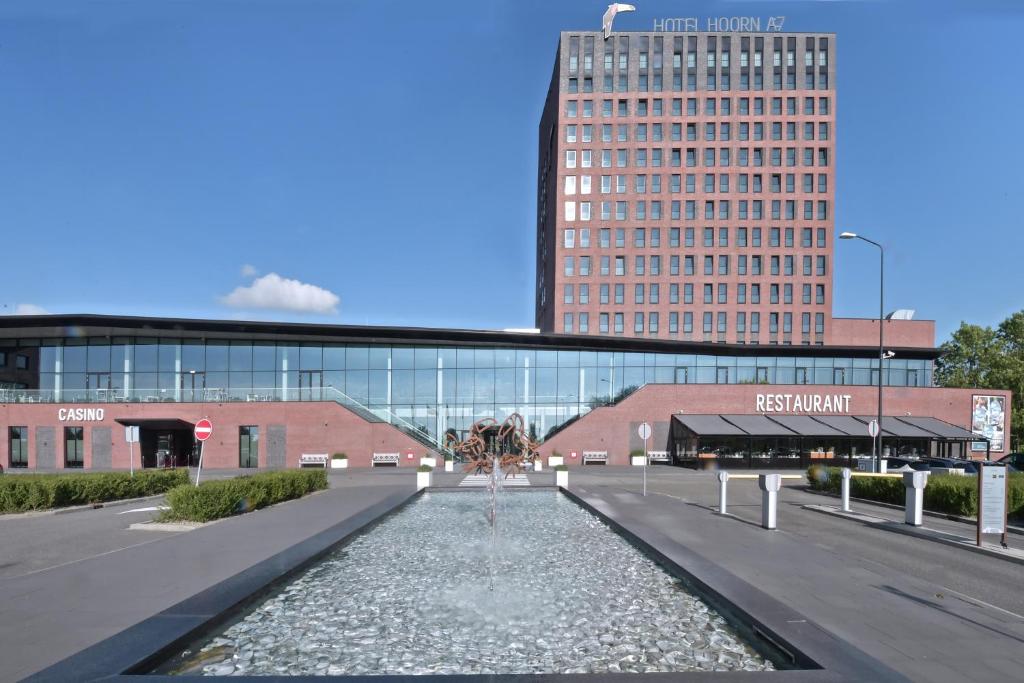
x=877 y=442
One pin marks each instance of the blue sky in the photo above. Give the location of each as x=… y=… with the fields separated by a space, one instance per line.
x=155 y=156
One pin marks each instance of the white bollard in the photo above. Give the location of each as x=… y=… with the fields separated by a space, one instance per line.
x=723 y=484
x=769 y=485
x=883 y=466
x=915 y=483
x=846 y=474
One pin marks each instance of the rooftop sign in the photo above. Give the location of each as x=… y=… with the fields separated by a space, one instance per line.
x=720 y=24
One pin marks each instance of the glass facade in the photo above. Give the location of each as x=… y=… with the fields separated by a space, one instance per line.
x=429 y=388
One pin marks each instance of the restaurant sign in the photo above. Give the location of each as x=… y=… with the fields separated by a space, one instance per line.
x=803 y=403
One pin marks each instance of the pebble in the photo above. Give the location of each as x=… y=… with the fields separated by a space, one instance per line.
x=414 y=596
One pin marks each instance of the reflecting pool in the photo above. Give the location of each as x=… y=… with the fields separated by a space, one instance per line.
x=413 y=596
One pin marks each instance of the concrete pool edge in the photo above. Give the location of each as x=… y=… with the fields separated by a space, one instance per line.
x=154 y=639
x=758 y=615
x=142 y=647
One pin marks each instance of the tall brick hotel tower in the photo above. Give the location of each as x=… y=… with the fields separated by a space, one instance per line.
x=686 y=186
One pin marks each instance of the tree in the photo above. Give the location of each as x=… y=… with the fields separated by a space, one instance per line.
x=983 y=358
x=967 y=358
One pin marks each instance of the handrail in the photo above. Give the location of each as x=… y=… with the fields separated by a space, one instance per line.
x=218 y=395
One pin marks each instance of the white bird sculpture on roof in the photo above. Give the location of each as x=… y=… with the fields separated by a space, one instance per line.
x=609 y=16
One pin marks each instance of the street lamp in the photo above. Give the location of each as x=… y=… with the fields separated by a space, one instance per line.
x=882 y=355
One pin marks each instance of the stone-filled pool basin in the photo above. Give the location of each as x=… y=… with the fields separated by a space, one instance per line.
x=434 y=589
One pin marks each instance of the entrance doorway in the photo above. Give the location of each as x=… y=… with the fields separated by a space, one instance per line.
x=163 y=448
x=193 y=386
x=311 y=384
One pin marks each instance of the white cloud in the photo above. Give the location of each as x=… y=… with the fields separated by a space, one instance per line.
x=249 y=271
x=283 y=294
x=29 y=309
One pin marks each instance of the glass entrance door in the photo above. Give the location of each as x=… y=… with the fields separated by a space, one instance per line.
x=192 y=385
x=311 y=384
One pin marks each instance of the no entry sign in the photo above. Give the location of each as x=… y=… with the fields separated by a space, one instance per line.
x=204 y=429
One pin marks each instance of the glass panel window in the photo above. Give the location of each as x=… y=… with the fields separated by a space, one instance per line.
x=17 y=447
x=248 y=446
x=74 y=448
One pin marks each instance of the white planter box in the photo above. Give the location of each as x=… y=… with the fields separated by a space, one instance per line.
x=637 y=460
x=449 y=465
x=423 y=480
x=555 y=460
x=428 y=461
x=337 y=464
x=538 y=466
x=562 y=478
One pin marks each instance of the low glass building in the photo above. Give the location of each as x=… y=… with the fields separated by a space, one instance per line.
x=427 y=380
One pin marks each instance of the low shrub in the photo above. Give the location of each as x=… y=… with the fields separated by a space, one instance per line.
x=339 y=456
x=424 y=468
x=561 y=468
x=636 y=453
x=218 y=498
x=25 y=492
x=948 y=494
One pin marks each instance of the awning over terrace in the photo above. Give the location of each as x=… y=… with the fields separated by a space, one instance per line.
x=902 y=427
x=709 y=424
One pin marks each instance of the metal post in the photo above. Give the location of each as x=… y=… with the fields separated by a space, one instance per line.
x=881 y=348
x=769 y=485
x=845 y=473
x=915 y=483
x=131 y=455
x=200 y=469
x=723 y=484
x=645 y=467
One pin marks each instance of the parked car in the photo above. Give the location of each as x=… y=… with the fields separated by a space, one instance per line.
x=968 y=466
x=1015 y=461
x=905 y=465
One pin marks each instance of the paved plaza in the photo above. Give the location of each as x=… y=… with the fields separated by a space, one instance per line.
x=929 y=611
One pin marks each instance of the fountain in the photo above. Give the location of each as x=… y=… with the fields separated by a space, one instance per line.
x=497 y=450
x=535 y=585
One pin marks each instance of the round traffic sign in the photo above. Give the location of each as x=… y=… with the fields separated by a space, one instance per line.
x=204 y=429
x=873 y=428
x=644 y=430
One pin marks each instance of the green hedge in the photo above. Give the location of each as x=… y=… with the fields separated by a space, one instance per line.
x=949 y=494
x=22 y=492
x=218 y=498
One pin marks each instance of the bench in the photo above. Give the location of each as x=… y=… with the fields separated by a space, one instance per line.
x=595 y=457
x=657 y=456
x=385 y=459
x=313 y=460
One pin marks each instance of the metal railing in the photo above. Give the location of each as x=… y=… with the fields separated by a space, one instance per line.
x=220 y=395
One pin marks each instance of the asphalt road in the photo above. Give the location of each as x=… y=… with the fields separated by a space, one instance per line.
x=953 y=571
x=36 y=542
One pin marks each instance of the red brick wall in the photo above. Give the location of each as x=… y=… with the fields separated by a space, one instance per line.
x=312 y=427
x=613 y=428
x=898 y=333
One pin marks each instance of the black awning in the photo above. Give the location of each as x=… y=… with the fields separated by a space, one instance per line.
x=708 y=424
x=806 y=425
x=894 y=427
x=759 y=425
x=155 y=423
x=846 y=424
x=942 y=428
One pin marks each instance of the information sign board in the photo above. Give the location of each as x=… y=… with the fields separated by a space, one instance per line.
x=992 y=506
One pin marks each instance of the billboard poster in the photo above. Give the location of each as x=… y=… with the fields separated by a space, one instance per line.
x=988 y=419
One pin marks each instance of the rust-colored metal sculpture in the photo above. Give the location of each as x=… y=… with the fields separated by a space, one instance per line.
x=490 y=443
